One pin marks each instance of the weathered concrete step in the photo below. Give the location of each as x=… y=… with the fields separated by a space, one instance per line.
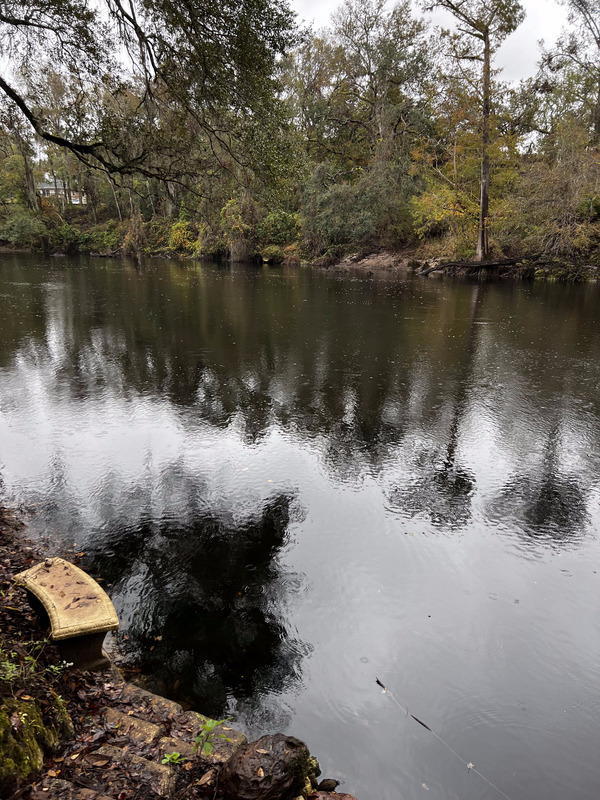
x=225 y=739
x=137 y=730
x=147 y=705
x=171 y=744
x=58 y=789
x=158 y=777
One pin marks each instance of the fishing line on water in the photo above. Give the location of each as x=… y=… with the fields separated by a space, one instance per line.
x=468 y=764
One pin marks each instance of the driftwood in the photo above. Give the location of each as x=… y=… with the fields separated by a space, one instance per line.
x=473 y=266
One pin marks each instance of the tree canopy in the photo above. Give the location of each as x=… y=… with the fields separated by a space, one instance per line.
x=172 y=73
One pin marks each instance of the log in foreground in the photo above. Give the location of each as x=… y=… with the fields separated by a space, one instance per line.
x=79 y=611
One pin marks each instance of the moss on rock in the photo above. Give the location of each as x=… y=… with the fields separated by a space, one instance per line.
x=25 y=735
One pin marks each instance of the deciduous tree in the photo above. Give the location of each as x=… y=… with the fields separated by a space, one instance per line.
x=482 y=26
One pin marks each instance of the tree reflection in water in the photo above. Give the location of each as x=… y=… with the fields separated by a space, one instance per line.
x=443 y=488
x=547 y=504
x=201 y=604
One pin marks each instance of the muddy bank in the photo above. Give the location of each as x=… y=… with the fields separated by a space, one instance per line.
x=412 y=261
x=379 y=262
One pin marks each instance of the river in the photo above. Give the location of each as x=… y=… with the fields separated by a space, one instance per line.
x=296 y=482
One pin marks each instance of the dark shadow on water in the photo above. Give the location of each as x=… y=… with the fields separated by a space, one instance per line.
x=202 y=604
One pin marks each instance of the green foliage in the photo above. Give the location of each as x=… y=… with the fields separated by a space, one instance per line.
x=210 y=243
x=204 y=741
x=68 y=239
x=370 y=137
x=552 y=207
x=278 y=227
x=173 y=758
x=22 y=229
x=442 y=212
x=22 y=664
x=22 y=734
x=181 y=238
x=372 y=212
x=588 y=209
x=217 y=89
x=106 y=237
x=239 y=218
x=158 y=232
x=26 y=733
x=272 y=253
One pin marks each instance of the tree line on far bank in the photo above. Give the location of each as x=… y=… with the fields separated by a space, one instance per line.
x=214 y=128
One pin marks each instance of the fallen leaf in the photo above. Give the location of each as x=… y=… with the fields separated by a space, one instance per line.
x=261 y=772
x=207 y=777
x=101 y=763
x=25 y=697
x=53 y=773
x=266 y=752
x=74 y=756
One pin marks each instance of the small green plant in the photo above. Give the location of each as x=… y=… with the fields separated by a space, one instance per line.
x=206 y=736
x=173 y=758
x=8 y=669
x=23 y=663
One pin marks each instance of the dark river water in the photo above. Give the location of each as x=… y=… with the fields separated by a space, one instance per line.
x=294 y=483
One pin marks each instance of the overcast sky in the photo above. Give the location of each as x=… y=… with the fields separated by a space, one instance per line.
x=518 y=55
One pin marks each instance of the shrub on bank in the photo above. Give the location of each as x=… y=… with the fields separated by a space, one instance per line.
x=272 y=253
x=181 y=238
x=22 y=229
x=106 y=237
x=278 y=228
x=368 y=212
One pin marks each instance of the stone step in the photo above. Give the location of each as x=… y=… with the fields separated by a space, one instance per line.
x=147 y=705
x=158 y=777
x=58 y=789
x=137 y=730
x=171 y=744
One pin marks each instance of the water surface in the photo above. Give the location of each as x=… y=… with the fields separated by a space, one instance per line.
x=296 y=482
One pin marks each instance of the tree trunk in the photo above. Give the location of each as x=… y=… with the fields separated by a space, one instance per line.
x=116 y=199
x=171 y=199
x=483 y=250
x=151 y=201
x=32 y=195
x=91 y=197
x=596 y=139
